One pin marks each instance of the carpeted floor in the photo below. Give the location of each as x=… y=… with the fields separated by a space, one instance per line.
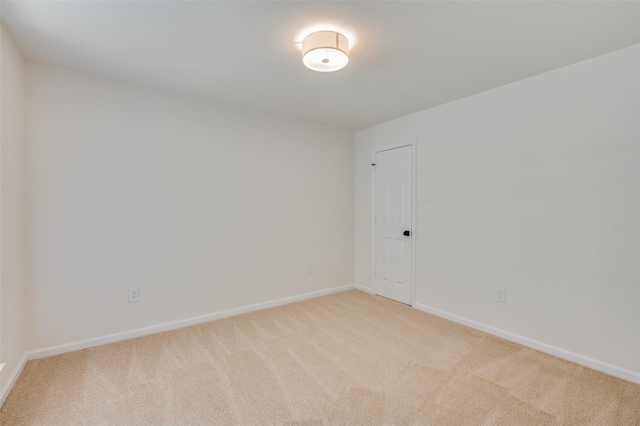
x=347 y=358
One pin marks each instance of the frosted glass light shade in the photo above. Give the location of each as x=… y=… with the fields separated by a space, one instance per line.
x=325 y=51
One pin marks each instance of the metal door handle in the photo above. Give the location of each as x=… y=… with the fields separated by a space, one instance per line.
x=407 y=233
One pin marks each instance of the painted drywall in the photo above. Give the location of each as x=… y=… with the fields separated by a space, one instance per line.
x=204 y=207
x=533 y=187
x=12 y=274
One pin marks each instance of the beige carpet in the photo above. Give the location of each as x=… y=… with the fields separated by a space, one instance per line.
x=347 y=358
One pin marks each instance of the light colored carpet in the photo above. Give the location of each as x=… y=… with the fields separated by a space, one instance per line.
x=347 y=358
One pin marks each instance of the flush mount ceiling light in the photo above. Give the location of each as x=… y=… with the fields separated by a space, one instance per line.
x=325 y=51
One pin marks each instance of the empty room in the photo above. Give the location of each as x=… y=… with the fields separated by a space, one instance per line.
x=319 y=213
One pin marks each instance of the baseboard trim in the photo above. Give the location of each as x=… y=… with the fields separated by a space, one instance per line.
x=6 y=390
x=363 y=288
x=145 y=331
x=595 y=364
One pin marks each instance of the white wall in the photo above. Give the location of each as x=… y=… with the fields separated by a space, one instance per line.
x=534 y=187
x=12 y=330
x=204 y=207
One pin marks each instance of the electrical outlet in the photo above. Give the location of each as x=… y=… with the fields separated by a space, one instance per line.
x=501 y=295
x=134 y=295
x=309 y=268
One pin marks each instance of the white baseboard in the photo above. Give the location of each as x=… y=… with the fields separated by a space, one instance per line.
x=139 y=332
x=6 y=389
x=144 y=331
x=595 y=364
x=363 y=288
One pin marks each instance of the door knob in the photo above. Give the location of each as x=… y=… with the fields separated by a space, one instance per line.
x=407 y=233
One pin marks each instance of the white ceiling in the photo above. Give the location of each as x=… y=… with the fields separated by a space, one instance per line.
x=406 y=56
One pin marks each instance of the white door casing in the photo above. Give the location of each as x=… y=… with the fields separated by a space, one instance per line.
x=393 y=263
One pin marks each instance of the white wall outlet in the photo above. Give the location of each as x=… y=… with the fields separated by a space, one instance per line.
x=134 y=295
x=501 y=295
x=309 y=268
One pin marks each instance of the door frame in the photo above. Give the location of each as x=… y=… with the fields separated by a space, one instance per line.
x=413 y=144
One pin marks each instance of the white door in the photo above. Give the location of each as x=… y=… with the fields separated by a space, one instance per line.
x=393 y=231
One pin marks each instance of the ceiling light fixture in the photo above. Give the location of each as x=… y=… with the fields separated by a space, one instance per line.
x=325 y=51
